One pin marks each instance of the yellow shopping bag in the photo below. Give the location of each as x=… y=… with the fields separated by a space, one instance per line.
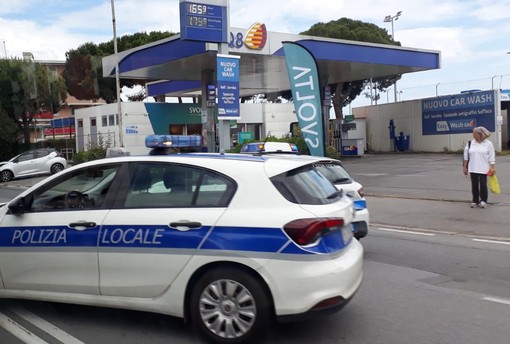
x=494 y=184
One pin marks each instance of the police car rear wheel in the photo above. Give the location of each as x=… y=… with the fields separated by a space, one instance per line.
x=230 y=306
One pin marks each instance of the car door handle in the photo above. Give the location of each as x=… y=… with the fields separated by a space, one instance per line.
x=185 y=225
x=82 y=225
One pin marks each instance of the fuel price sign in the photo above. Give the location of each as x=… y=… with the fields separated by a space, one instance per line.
x=203 y=22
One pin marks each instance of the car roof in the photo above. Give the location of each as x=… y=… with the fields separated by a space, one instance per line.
x=272 y=164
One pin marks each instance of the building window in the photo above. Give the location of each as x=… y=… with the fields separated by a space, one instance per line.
x=93 y=122
x=111 y=120
x=104 y=121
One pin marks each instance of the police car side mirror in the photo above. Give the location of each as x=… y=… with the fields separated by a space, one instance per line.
x=18 y=207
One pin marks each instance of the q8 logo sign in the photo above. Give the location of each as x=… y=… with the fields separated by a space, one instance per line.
x=255 y=38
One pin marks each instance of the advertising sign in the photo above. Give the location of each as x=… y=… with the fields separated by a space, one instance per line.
x=227 y=69
x=460 y=113
x=304 y=84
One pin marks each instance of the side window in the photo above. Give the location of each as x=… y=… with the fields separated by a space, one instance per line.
x=39 y=154
x=81 y=190
x=155 y=185
x=26 y=156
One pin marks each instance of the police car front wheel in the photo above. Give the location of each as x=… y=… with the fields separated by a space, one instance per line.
x=230 y=306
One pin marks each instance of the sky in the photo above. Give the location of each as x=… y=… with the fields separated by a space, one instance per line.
x=473 y=36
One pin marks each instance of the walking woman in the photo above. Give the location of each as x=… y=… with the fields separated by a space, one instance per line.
x=479 y=159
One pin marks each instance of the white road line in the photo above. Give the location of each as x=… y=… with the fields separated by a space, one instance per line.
x=19 y=331
x=47 y=327
x=495 y=299
x=493 y=241
x=404 y=231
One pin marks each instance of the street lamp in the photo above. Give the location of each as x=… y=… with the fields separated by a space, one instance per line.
x=390 y=19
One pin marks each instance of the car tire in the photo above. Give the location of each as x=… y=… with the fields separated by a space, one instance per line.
x=6 y=175
x=56 y=168
x=229 y=305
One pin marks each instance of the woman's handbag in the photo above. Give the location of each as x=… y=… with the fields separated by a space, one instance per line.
x=494 y=184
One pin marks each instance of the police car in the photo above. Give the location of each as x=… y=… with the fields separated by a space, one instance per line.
x=269 y=146
x=229 y=242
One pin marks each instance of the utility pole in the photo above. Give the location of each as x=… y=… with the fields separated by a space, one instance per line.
x=117 y=79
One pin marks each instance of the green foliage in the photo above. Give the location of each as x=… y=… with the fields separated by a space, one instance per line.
x=27 y=88
x=8 y=136
x=332 y=153
x=93 y=152
x=355 y=30
x=83 y=72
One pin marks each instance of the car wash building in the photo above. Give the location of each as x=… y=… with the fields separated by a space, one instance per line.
x=437 y=124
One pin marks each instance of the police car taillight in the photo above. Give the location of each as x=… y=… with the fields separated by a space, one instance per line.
x=361 y=192
x=307 y=231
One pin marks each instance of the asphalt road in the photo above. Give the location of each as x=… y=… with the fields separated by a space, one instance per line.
x=430 y=192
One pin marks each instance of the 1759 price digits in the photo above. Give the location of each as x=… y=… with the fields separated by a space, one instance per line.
x=197 y=21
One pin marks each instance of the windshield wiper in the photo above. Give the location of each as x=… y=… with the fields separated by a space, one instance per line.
x=340 y=180
x=336 y=194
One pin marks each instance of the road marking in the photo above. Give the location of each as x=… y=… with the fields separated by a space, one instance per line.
x=404 y=231
x=493 y=241
x=497 y=300
x=47 y=327
x=19 y=331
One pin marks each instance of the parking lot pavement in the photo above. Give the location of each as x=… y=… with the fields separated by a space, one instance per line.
x=430 y=192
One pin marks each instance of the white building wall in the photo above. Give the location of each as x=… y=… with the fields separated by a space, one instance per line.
x=135 y=122
x=407 y=117
x=274 y=117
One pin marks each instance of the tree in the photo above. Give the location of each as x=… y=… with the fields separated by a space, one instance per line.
x=354 y=30
x=27 y=88
x=8 y=136
x=83 y=72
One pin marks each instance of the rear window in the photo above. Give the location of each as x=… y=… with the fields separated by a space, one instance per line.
x=334 y=172
x=306 y=185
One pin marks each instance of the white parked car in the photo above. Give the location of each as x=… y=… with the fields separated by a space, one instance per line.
x=334 y=171
x=32 y=163
x=228 y=241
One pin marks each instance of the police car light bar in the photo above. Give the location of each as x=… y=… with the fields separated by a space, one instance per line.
x=176 y=141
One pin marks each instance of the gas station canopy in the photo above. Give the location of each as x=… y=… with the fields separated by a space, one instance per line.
x=174 y=67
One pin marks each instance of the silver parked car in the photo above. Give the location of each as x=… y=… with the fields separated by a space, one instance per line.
x=31 y=163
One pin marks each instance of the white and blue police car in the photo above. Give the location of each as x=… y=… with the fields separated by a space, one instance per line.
x=229 y=242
